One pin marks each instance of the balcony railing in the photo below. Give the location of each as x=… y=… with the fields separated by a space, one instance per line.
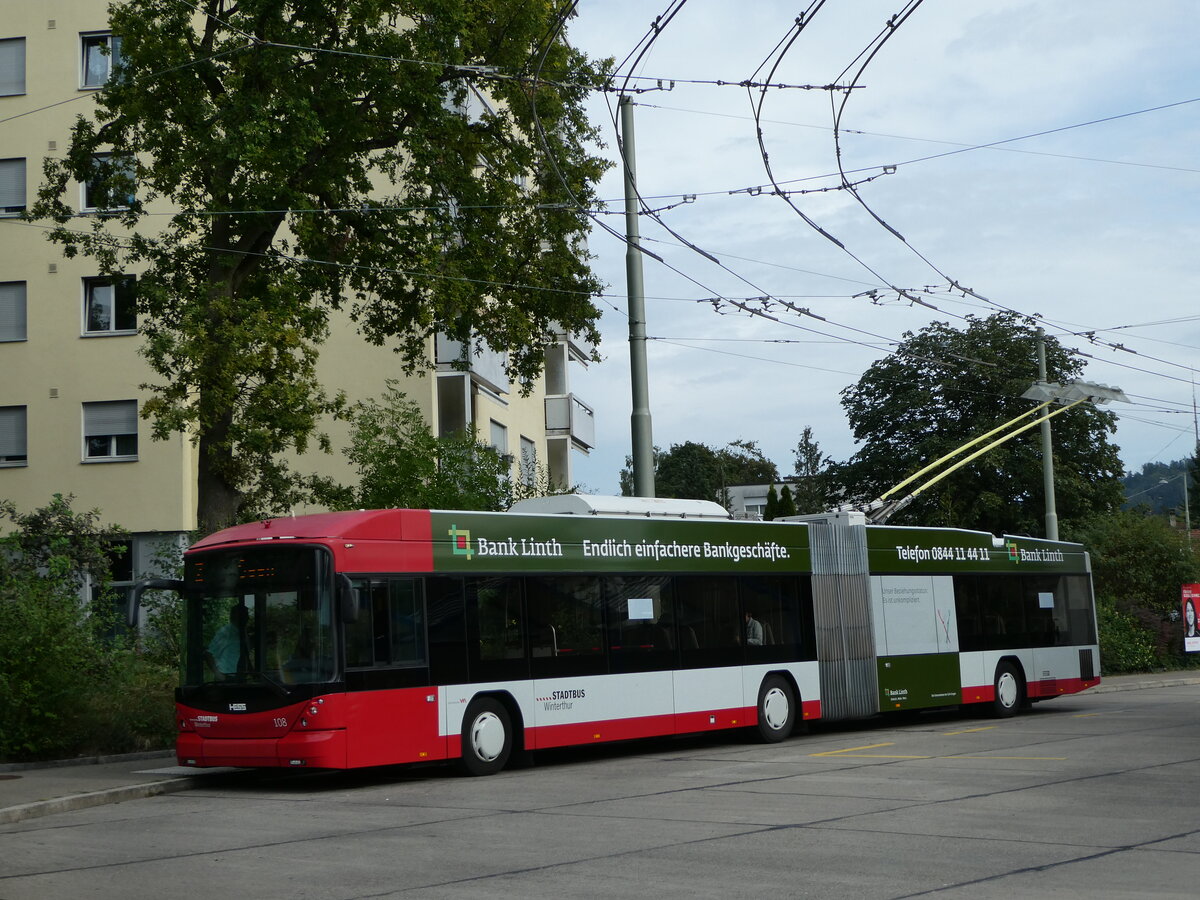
x=568 y=415
x=485 y=367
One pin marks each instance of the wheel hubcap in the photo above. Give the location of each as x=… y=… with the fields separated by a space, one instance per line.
x=1006 y=690
x=775 y=709
x=487 y=736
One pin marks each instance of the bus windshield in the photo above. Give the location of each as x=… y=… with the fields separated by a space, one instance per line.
x=259 y=615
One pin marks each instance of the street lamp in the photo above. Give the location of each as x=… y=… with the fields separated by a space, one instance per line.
x=1187 y=515
x=1070 y=394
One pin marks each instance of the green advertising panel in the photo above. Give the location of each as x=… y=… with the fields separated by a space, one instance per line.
x=482 y=542
x=919 y=682
x=948 y=550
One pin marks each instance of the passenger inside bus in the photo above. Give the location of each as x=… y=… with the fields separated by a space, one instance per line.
x=229 y=651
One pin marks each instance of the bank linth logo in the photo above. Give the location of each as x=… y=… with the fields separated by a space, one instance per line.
x=461 y=542
x=1013 y=554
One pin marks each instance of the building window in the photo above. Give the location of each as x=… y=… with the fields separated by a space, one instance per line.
x=12 y=436
x=111 y=187
x=12 y=66
x=110 y=430
x=101 y=55
x=12 y=311
x=108 y=305
x=12 y=186
x=528 y=460
x=499 y=437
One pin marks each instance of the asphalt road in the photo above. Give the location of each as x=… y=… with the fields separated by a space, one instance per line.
x=1094 y=796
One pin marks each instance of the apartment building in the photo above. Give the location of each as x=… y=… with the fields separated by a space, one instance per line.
x=70 y=369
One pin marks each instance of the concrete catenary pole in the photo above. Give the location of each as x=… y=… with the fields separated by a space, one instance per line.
x=1047 y=449
x=643 y=444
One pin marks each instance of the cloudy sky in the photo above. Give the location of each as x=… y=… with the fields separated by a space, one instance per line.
x=1085 y=215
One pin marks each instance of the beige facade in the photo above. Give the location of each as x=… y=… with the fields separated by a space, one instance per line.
x=69 y=364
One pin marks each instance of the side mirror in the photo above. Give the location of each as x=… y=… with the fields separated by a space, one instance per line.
x=148 y=584
x=347 y=600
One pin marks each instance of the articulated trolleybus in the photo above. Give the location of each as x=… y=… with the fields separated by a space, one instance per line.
x=372 y=638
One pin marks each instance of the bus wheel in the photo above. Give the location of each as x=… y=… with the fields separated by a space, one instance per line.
x=487 y=737
x=776 y=709
x=1009 y=691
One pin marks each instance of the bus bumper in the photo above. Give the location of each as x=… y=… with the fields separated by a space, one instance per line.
x=307 y=749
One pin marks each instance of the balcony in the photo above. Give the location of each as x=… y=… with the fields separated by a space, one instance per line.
x=570 y=417
x=485 y=367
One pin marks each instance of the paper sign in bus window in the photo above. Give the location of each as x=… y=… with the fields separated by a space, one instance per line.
x=641 y=608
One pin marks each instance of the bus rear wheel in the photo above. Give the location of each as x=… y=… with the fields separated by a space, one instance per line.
x=487 y=737
x=1009 y=691
x=776 y=709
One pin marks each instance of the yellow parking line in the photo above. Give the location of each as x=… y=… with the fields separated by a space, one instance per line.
x=852 y=749
x=971 y=730
x=1086 y=715
x=1054 y=758
x=852 y=752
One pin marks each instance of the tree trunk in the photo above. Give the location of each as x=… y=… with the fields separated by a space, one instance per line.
x=217 y=501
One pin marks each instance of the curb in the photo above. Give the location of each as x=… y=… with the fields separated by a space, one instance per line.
x=1106 y=687
x=93 y=798
x=87 y=760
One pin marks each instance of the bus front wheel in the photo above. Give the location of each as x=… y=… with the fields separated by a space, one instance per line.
x=487 y=737
x=776 y=709
x=1009 y=690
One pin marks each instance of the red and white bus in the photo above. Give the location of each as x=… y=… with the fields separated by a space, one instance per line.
x=369 y=638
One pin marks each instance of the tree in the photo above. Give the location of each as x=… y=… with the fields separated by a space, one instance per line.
x=400 y=463
x=50 y=642
x=771 y=510
x=697 y=471
x=944 y=386
x=811 y=492
x=321 y=158
x=787 y=504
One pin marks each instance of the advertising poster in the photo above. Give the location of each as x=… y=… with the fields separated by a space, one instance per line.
x=1191 y=626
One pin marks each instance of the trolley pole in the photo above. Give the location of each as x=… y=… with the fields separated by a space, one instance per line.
x=643 y=445
x=1047 y=449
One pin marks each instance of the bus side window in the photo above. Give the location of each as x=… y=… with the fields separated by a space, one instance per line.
x=500 y=619
x=407 y=623
x=565 y=624
x=390 y=628
x=359 y=633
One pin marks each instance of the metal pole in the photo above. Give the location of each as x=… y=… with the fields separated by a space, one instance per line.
x=1187 y=513
x=643 y=445
x=1047 y=449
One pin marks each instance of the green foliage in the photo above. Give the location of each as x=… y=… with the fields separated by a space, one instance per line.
x=1138 y=561
x=787 y=506
x=1138 y=566
x=1147 y=489
x=1125 y=645
x=771 y=511
x=364 y=176
x=812 y=489
x=400 y=463
x=697 y=471
x=944 y=386
x=67 y=686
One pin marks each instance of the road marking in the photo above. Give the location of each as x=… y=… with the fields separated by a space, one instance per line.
x=849 y=751
x=971 y=730
x=1086 y=715
x=852 y=753
x=1054 y=758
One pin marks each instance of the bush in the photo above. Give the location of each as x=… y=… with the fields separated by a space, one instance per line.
x=1125 y=645
x=67 y=685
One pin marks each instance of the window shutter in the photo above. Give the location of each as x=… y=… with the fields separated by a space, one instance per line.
x=12 y=66
x=12 y=431
x=12 y=184
x=110 y=417
x=12 y=311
